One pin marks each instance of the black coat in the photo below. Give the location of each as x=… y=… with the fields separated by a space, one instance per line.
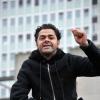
x=56 y=77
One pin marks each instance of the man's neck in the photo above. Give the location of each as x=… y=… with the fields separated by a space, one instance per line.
x=49 y=56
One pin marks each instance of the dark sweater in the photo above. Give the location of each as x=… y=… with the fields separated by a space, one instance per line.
x=56 y=77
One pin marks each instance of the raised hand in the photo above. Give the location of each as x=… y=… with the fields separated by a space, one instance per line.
x=80 y=36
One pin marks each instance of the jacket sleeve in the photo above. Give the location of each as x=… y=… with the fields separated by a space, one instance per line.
x=90 y=65
x=21 y=87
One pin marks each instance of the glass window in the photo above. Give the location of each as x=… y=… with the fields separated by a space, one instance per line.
x=20 y=38
x=36 y=18
x=28 y=2
x=12 y=3
x=3 y=73
x=61 y=0
x=69 y=0
x=20 y=3
x=3 y=92
x=86 y=12
x=36 y=2
x=61 y=15
x=12 y=72
x=53 y=1
x=44 y=1
x=4 y=57
x=44 y=18
x=12 y=39
x=28 y=20
x=4 y=39
x=12 y=22
x=94 y=19
x=86 y=29
x=28 y=37
x=4 y=4
x=94 y=2
x=20 y=21
x=77 y=13
x=94 y=37
x=69 y=15
x=52 y=17
x=12 y=56
x=4 y=22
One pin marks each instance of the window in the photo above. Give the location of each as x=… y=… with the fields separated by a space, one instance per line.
x=20 y=21
x=36 y=2
x=44 y=2
x=12 y=72
x=44 y=18
x=28 y=20
x=20 y=3
x=52 y=17
x=86 y=29
x=4 y=39
x=94 y=2
x=4 y=57
x=3 y=92
x=36 y=18
x=12 y=4
x=4 y=22
x=28 y=37
x=94 y=19
x=3 y=73
x=86 y=12
x=61 y=0
x=20 y=38
x=61 y=15
x=12 y=39
x=69 y=0
x=28 y=2
x=53 y=1
x=4 y=4
x=69 y=15
x=12 y=56
x=94 y=37
x=77 y=13
x=12 y=22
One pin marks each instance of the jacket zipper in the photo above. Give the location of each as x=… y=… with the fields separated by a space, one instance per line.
x=48 y=66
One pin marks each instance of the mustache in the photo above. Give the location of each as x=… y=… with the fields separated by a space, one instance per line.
x=47 y=43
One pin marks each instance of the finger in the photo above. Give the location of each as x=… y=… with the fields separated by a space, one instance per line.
x=77 y=32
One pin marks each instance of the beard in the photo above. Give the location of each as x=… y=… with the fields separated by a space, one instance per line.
x=48 y=52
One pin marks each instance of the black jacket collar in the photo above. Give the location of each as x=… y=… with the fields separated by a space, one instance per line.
x=35 y=55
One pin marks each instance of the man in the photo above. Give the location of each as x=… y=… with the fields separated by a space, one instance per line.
x=51 y=73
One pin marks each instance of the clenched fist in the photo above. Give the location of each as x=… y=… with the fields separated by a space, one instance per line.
x=80 y=36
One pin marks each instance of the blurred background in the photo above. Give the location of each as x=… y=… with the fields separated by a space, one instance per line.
x=20 y=18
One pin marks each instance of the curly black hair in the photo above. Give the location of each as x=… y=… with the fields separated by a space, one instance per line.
x=47 y=26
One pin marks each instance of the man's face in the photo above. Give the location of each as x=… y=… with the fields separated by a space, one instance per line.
x=47 y=42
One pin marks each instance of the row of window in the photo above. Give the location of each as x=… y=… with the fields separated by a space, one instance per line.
x=12 y=3
x=36 y=2
x=45 y=17
x=5 y=73
x=27 y=38
x=12 y=38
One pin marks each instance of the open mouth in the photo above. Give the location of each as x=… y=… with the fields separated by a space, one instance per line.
x=47 y=46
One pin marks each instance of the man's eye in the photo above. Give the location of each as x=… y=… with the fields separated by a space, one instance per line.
x=51 y=38
x=41 y=38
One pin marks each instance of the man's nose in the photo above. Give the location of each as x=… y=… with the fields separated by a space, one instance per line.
x=47 y=39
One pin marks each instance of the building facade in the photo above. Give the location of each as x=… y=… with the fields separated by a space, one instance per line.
x=19 y=19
